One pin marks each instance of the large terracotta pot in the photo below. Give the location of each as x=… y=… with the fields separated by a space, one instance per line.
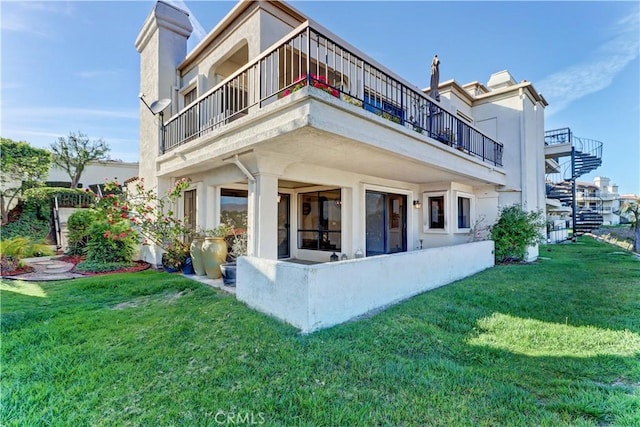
x=214 y=253
x=196 y=256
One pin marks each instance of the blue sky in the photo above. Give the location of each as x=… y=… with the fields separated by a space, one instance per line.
x=72 y=66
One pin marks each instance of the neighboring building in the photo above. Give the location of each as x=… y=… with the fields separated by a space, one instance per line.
x=328 y=151
x=95 y=173
x=601 y=197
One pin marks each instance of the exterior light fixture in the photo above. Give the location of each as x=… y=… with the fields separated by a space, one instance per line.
x=417 y=204
x=279 y=198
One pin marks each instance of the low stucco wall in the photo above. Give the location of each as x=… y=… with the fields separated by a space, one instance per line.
x=312 y=297
x=149 y=253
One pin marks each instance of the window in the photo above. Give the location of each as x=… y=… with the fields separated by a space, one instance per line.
x=436 y=212
x=319 y=220
x=190 y=209
x=465 y=208
x=190 y=96
x=234 y=207
x=436 y=207
x=464 y=212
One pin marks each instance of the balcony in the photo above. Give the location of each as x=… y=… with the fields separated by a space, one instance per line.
x=309 y=58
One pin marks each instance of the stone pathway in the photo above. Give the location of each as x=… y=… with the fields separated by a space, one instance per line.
x=46 y=269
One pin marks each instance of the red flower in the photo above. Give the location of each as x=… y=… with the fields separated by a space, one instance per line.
x=319 y=82
x=106 y=234
x=124 y=215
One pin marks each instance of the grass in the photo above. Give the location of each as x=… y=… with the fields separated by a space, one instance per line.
x=549 y=344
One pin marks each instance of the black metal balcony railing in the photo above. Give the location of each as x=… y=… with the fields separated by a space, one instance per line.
x=310 y=58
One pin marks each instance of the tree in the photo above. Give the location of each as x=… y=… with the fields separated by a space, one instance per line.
x=21 y=167
x=74 y=153
x=632 y=210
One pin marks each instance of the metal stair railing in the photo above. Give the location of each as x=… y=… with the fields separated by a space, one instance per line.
x=586 y=156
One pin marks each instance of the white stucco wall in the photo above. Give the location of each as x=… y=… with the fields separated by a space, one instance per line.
x=95 y=173
x=312 y=297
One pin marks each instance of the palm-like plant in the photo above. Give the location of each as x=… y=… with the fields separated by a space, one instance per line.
x=12 y=251
x=632 y=210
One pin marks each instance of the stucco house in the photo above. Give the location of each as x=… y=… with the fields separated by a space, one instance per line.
x=95 y=173
x=329 y=152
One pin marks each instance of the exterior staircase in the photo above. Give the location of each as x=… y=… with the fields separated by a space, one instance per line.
x=587 y=220
x=585 y=155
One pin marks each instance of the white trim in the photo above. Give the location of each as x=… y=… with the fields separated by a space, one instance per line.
x=425 y=212
x=193 y=84
x=472 y=211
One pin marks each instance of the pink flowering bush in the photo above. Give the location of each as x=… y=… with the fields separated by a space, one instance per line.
x=150 y=216
x=111 y=242
x=319 y=82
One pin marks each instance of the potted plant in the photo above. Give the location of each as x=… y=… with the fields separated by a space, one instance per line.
x=317 y=81
x=214 y=250
x=174 y=257
x=238 y=249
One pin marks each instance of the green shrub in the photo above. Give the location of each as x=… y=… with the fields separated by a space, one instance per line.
x=35 y=220
x=101 y=267
x=516 y=230
x=111 y=242
x=28 y=225
x=43 y=198
x=79 y=224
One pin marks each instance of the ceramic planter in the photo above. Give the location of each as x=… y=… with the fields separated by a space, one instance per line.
x=196 y=256
x=214 y=253
x=228 y=273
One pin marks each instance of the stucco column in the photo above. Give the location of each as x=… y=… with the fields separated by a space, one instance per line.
x=263 y=216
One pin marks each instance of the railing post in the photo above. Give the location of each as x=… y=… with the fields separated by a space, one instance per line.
x=483 y=150
x=308 y=56
x=430 y=113
x=402 y=105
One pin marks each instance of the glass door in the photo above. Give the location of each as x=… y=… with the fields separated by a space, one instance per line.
x=386 y=223
x=283 y=225
x=189 y=197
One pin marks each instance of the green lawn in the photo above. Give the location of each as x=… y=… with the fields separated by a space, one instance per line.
x=553 y=343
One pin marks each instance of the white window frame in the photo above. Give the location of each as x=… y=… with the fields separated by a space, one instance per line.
x=193 y=84
x=472 y=211
x=426 y=212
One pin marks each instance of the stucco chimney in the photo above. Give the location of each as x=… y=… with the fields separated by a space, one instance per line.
x=162 y=44
x=501 y=79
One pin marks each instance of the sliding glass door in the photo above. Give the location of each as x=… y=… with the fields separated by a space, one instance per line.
x=386 y=223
